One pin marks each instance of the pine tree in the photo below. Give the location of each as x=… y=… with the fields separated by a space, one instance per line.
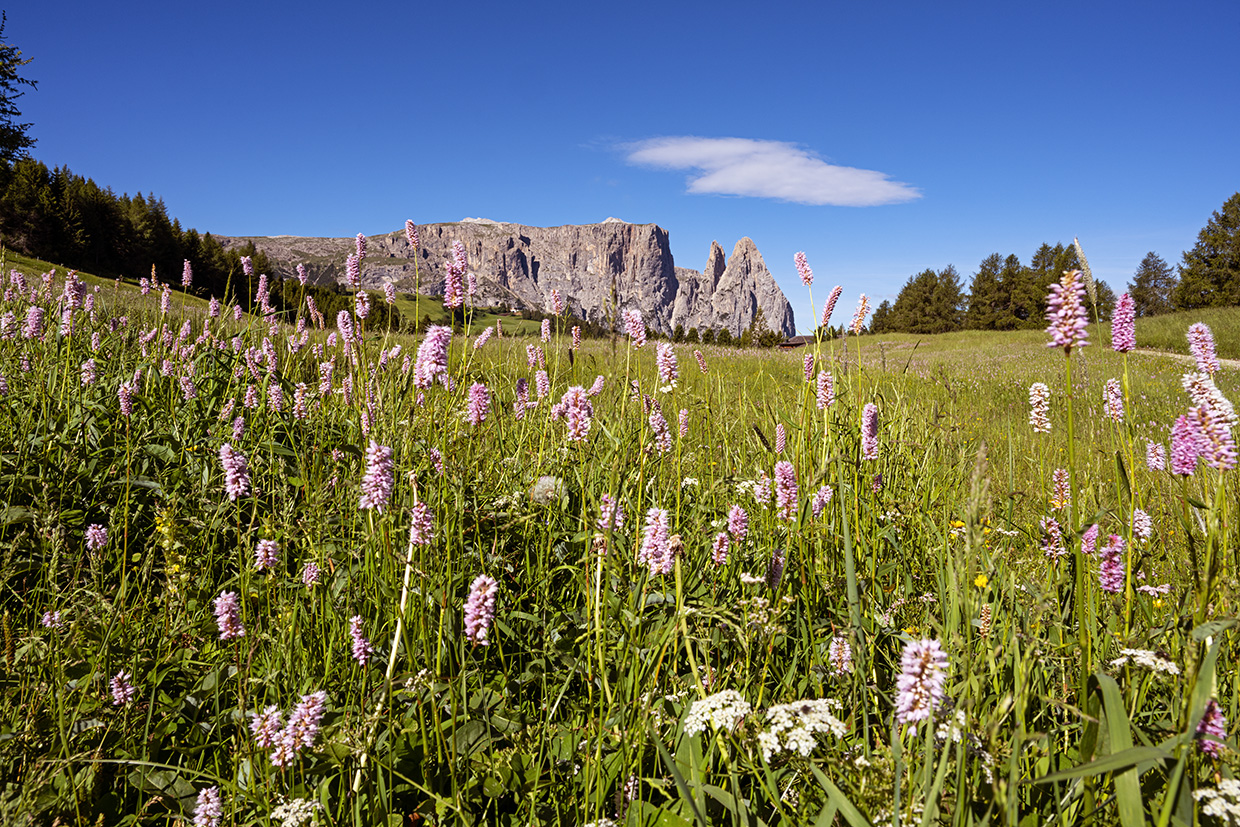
x=986 y=302
x=880 y=321
x=1152 y=286
x=1106 y=301
x=1210 y=272
x=14 y=142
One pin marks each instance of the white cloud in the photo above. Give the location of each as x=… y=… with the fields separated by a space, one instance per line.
x=767 y=169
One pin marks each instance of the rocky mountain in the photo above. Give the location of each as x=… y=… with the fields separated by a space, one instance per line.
x=600 y=270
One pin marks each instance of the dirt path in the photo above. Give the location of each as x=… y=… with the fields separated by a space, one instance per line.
x=1183 y=357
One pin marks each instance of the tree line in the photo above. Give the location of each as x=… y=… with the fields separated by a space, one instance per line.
x=1006 y=294
x=58 y=216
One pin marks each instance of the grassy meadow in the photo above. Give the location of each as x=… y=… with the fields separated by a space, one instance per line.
x=257 y=576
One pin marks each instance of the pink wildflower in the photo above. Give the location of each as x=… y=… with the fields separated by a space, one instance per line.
x=378 y=482
x=923 y=671
x=421 y=525
x=1184 y=448
x=1215 y=443
x=362 y=650
x=863 y=310
x=480 y=609
x=1089 y=540
x=228 y=616
x=1061 y=491
x=1065 y=311
x=1213 y=724
x=1123 y=325
x=1155 y=456
x=236 y=471
x=829 y=307
x=1113 y=398
x=578 y=413
x=803 y=269
x=635 y=327
x=1111 y=569
x=208 y=809
x=266 y=554
x=826 y=390
x=738 y=523
x=839 y=655
x=432 y=358
x=266 y=726
x=611 y=514
x=96 y=537
x=479 y=404
x=821 y=497
x=869 y=431
x=665 y=361
x=662 y=434
x=719 y=549
x=655 y=550
x=1201 y=345
x=122 y=690
x=786 y=489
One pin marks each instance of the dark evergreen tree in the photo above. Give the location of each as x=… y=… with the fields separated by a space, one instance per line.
x=947 y=303
x=15 y=143
x=987 y=303
x=879 y=322
x=1030 y=289
x=1210 y=272
x=1152 y=286
x=930 y=302
x=1106 y=301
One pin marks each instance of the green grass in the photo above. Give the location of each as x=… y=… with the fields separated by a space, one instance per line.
x=1167 y=332
x=575 y=709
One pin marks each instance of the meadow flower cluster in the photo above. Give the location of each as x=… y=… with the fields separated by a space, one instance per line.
x=542 y=575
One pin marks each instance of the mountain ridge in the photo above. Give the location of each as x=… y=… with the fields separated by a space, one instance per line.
x=600 y=270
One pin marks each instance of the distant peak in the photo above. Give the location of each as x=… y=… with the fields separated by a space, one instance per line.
x=480 y=221
x=613 y=220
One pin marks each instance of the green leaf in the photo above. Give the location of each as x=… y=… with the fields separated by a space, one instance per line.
x=1128 y=798
x=837 y=799
x=1212 y=628
x=1115 y=761
x=685 y=792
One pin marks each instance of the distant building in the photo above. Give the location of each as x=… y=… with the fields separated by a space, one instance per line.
x=796 y=342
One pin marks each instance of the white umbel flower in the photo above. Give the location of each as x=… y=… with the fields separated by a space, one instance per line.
x=792 y=727
x=723 y=710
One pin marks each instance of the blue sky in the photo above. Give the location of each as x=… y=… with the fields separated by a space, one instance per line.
x=880 y=138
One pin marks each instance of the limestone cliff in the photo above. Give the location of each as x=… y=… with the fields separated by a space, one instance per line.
x=600 y=270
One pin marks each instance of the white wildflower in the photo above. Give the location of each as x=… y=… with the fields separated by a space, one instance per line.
x=952 y=730
x=1146 y=658
x=297 y=812
x=793 y=726
x=1222 y=803
x=723 y=710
